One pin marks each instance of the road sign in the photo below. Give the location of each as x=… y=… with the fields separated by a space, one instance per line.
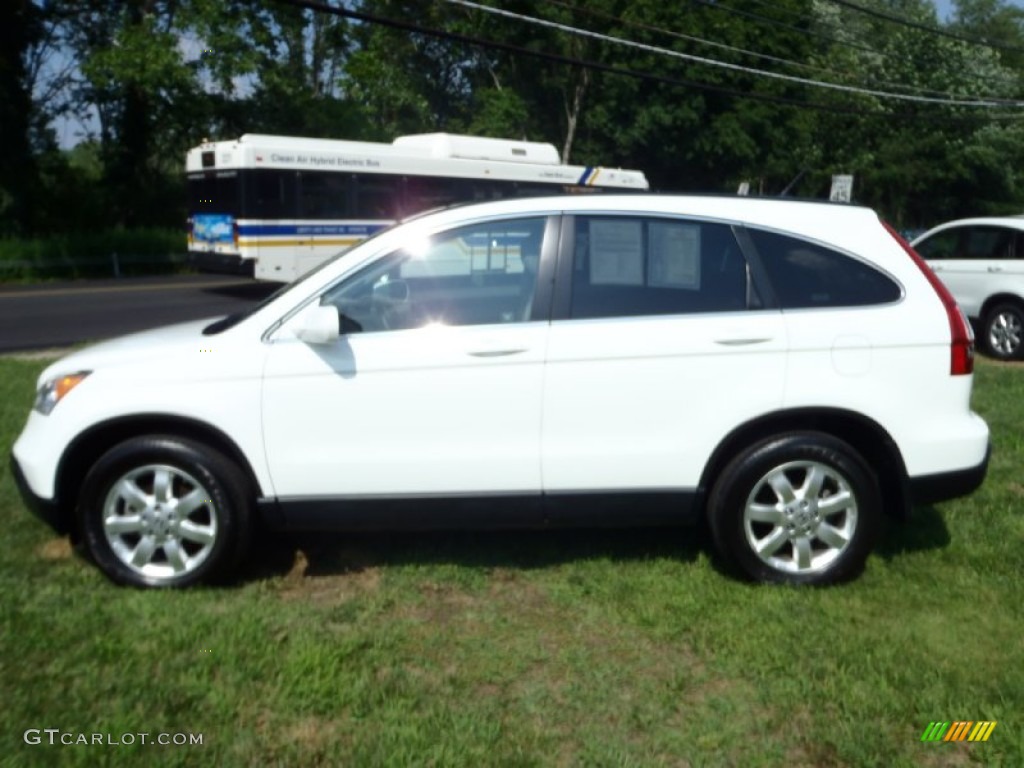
x=842 y=189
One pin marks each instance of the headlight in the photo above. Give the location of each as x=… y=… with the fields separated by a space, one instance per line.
x=53 y=391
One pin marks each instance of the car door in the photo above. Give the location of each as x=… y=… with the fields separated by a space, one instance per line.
x=433 y=388
x=1013 y=267
x=970 y=260
x=659 y=346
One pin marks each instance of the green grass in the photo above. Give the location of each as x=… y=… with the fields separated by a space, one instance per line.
x=91 y=254
x=567 y=648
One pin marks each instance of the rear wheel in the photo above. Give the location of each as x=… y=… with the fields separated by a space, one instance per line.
x=164 y=512
x=798 y=509
x=1003 y=331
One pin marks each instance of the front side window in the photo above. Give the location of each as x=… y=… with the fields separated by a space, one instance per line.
x=805 y=274
x=941 y=245
x=477 y=275
x=634 y=266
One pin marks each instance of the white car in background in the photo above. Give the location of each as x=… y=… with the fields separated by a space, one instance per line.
x=788 y=371
x=981 y=261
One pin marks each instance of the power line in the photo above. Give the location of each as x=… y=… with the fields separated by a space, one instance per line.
x=775 y=23
x=323 y=7
x=744 y=52
x=902 y=20
x=793 y=13
x=972 y=102
x=681 y=36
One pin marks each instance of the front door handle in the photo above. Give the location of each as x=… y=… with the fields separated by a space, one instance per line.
x=495 y=352
x=995 y=269
x=501 y=345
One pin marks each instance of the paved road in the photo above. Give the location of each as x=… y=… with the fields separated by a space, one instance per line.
x=58 y=314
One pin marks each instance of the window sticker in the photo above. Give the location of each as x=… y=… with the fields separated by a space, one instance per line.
x=616 y=252
x=497 y=259
x=674 y=256
x=480 y=258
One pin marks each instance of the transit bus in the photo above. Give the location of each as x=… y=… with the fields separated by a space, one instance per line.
x=276 y=206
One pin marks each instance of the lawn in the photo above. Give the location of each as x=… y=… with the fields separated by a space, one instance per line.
x=566 y=648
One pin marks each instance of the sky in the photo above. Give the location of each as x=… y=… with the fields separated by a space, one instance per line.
x=943 y=6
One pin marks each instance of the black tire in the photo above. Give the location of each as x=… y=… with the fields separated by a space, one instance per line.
x=163 y=511
x=1002 y=331
x=801 y=556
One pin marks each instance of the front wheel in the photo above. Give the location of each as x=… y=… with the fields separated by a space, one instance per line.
x=1004 y=332
x=164 y=512
x=800 y=508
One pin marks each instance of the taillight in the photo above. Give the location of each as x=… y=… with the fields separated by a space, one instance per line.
x=234 y=233
x=961 y=352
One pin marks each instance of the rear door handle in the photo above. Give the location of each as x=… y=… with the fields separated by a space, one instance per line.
x=742 y=342
x=995 y=269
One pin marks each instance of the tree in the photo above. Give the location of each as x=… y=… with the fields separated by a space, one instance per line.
x=134 y=77
x=919 y=162
x=273 y=68
x=20 y=29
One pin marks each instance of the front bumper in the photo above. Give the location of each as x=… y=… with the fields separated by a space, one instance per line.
x=48 y=510
x=943 y=486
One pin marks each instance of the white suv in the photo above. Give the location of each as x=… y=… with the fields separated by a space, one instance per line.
x=981 y=261
x=790 y=370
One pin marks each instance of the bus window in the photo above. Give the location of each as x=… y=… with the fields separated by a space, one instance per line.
x=271 y=194
x=213 y=192
x=538 y=190
x=377 y=196
x=324 y=195
x=423 y=193
x=483 y=190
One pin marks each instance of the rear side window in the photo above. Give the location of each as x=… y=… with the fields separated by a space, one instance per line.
x=988 y=243
x=626 y=266
x=805 y=274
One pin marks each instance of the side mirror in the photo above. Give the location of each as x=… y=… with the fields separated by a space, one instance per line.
x=319 y=325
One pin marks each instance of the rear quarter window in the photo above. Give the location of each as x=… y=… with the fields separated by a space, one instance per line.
x=805 y=274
